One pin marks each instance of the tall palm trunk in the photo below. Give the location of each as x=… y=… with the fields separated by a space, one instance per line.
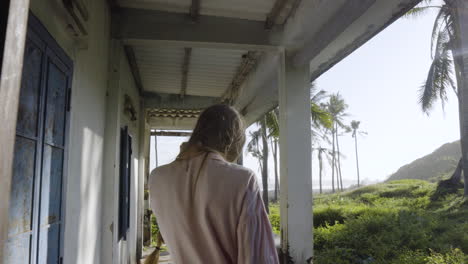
x=461 y=72
x=274 y=147
x=339 y=159
x=357 y=159
x=320 y=168
x=333 y=160
x=265 y=163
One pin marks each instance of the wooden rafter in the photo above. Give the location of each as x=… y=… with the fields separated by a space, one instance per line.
x=185 y=70
x=248 y=63
x=134 y=67
x=195 y=10
x=280 y=12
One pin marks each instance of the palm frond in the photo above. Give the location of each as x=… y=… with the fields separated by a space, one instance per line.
x=253 y=146
x=416 y=12
x=272 y=124
x=439 y=78
x=441 y=23
x=319 y=96
x=355 y=126
x=320 y=116
x=421 y=9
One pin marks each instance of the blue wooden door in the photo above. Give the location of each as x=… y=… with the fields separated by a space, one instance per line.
x=35 y=215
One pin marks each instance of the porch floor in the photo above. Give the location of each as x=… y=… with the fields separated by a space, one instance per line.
x=164 y=258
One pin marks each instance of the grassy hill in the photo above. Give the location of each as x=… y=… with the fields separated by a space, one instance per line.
x=398 y=222
x=438 y=165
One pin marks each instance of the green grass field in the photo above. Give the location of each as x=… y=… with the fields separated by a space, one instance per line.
x=399 y=222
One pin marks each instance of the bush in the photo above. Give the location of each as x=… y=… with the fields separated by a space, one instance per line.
x=391 y=223
x=455 y=256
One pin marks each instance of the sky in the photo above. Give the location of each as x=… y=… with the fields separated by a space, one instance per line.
x=380 y=83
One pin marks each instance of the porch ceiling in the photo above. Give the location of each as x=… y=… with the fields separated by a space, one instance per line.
x=209 y=71
x=199 y=52
x=245 y=9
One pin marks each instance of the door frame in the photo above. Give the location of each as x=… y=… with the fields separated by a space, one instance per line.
x=52 y=53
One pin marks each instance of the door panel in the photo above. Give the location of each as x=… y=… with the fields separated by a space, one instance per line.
x=55 y=109
x=17 y=251
x=35 y=214
x=51 y=187
x=49 y=250
x=30 y=91
x=21 y=199
x=50 y=211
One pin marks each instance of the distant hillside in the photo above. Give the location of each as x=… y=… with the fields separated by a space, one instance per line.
x=439 y=164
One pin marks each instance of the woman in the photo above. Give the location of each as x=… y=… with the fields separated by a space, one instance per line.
x=210 y=210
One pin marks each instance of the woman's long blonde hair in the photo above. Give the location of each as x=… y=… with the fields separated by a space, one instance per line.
x=219 y=128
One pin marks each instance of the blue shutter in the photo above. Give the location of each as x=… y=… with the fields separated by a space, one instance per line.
x=124 y=183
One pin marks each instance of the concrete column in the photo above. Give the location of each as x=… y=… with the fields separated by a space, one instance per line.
x=295 y=163
x=462 y=28
x=142 y=177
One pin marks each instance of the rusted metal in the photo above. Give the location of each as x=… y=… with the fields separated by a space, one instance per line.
x=281 y=11
x=134 y=67
x=174 y=113
x=10 y=83
x=170 y=134
x=195 y=10
x=248 y=64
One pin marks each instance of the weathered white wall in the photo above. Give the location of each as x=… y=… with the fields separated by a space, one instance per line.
x=121 y=83
x=83 y=197
x=127 y=85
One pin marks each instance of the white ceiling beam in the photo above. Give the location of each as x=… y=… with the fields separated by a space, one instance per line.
x=195 y=44
x=150 y=25
x=174 y=101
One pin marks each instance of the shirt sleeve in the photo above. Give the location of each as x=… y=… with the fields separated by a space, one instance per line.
x=254 y=234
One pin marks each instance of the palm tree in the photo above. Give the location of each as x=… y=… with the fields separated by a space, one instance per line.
x=337 y=107
x=320 y=152
x=253 y=147
x=355 y=126
x=320 y=118
x=273 y=128
x=446 y=54
x=265 y=162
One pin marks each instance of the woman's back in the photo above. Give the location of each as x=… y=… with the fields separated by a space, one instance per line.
x=210 y=211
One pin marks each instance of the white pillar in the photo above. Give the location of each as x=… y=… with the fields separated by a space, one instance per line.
x=143 y=160
x=295 y=162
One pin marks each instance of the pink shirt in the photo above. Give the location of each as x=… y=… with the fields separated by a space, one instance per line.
x=219 y=218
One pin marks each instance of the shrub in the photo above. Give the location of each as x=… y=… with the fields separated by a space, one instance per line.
x=391 y=223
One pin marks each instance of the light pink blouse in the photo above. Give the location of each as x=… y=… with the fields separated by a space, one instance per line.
x=218 y=218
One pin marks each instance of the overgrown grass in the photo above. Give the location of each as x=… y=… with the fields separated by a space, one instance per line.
x=396 y=222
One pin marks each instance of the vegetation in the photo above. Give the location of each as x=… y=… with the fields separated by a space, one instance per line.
x=406 y=221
